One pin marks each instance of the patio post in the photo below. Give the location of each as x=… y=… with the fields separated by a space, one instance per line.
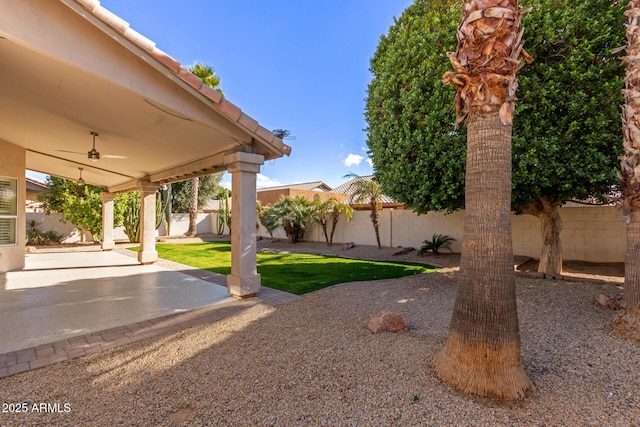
x=148 y=253
x=244 y=280
x=107 y=221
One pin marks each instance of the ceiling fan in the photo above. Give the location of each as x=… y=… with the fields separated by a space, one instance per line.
x=93 y=154
x=283 y=134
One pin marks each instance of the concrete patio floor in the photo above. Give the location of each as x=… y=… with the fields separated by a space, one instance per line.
x=62 y=295
x=69 y=304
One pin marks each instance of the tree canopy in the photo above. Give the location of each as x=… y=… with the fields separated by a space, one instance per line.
x=80 y=204
x=208 y=187
x=566 y=135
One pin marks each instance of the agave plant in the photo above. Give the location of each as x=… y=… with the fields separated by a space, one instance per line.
x=437 y=242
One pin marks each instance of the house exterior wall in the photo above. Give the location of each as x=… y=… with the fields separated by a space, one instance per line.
x=12 y=165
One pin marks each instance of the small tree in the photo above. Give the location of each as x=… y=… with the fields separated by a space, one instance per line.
x=367 y=191
x=267 y=217
x=330 y=211
x=294 y=215
x=79 y=204
x=208 y=189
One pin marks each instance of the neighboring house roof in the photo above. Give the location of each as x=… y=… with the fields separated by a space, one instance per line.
x=37 y=186
x=103 y=76
x=309 y=186
x=347 y=188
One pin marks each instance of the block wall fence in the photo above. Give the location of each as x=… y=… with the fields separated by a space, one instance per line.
x=590 y=233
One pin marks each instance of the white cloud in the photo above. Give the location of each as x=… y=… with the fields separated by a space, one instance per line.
x=264 y=181
x=370 y=162
x=352 y=159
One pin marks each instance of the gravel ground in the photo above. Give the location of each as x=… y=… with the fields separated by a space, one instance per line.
x=314 y=362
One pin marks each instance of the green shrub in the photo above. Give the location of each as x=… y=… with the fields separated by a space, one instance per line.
x=39 y=238
x=437 y=242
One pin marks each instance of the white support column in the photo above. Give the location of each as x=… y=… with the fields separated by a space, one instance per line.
x=244 y=280
x=107 y=221
x=148 y=253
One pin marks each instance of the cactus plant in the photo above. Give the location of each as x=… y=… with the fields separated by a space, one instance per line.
x=132 y=218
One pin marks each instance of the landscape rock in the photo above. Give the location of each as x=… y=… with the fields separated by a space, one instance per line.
x=614 y=302
x=387 y=321
x=30 y=249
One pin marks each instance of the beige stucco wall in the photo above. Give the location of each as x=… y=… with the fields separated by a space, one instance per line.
x=12 y=165
x=594 y=234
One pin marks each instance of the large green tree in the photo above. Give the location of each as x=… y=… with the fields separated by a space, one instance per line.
x=209 y=78
x=80 y=204
x=565 y=135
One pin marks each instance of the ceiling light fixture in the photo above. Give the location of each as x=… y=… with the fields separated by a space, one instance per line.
x=80 y=180
x=93 y=155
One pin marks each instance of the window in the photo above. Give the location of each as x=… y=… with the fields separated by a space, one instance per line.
x=8 y=210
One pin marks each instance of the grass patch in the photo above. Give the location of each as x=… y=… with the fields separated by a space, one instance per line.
x=294 y=273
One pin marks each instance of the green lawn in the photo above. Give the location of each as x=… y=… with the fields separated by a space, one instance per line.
x=295 y=273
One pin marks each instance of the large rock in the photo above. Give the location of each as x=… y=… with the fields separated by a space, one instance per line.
x=386 y=321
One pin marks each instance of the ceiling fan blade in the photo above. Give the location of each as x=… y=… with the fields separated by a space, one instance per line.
x=72 y=152
x=112 y=156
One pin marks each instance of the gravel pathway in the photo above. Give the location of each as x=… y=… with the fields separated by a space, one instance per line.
x=314 y=362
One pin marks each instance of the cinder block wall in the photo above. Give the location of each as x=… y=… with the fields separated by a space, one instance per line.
x=590 y=233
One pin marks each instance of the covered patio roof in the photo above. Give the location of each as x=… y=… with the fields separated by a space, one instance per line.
x=71 y=67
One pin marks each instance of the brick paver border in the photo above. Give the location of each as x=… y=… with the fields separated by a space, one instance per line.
x=32 y=358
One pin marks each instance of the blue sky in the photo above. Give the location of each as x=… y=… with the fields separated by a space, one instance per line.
x=290 y=64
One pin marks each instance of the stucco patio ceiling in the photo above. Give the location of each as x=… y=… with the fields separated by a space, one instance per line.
x=70 y=67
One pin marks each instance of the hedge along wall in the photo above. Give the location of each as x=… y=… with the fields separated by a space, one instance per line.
x=590 y=233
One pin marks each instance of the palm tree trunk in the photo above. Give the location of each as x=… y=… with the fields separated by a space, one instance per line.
x=193 y=207
x=334 y=224
x=627 y=323
x=482 y=352
x=323 y=224
x=375 y=220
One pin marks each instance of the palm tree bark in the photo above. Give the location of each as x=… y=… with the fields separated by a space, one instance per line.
x=627 y=322
x=375 y=220
x=334 y=224
x=193 y=207
x=482 y=353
